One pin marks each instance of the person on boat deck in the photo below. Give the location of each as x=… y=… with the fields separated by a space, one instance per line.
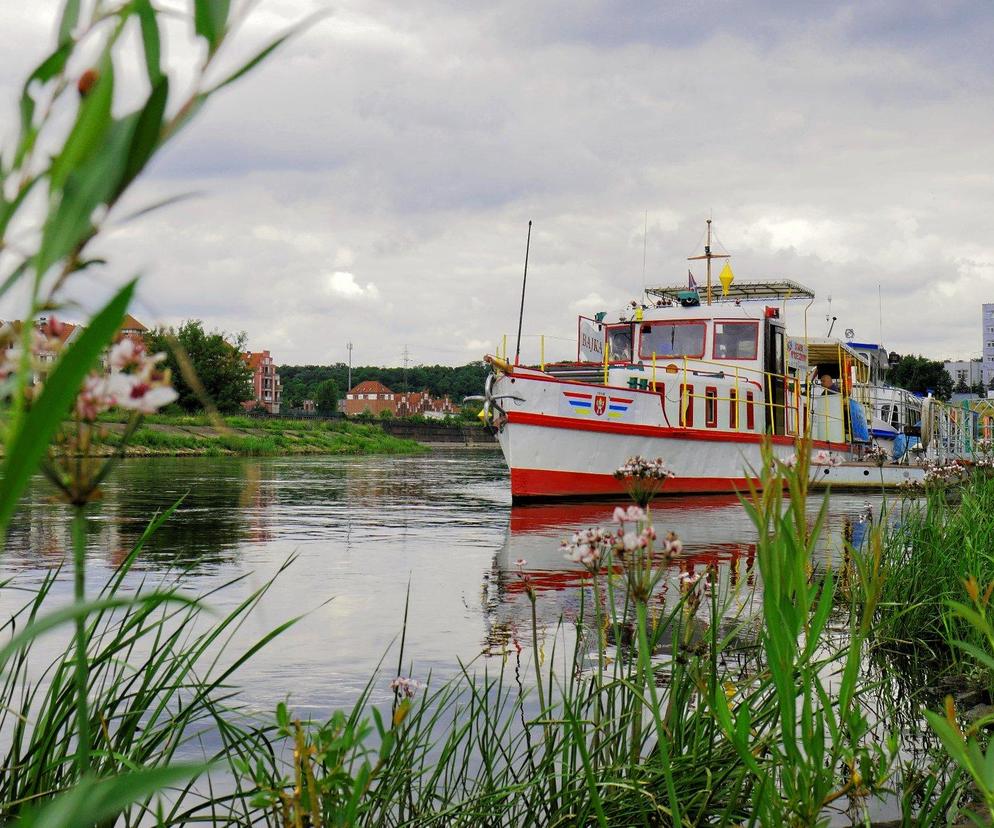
x=830 y=385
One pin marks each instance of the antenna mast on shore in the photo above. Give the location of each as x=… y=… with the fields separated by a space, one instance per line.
x=708 y=256
x=349 y=346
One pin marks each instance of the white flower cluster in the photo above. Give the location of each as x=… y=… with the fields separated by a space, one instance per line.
x=638 y=468
x=135 y=382
x=945 y=474
x=826 y=458
x=406 y=687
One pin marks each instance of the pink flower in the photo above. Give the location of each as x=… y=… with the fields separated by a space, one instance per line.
x=632 y=514
x=406 y=687
x=520 y=562
x=94 y=398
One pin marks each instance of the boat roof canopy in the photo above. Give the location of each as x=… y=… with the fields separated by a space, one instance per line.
x=832 y=352
x=742 y=291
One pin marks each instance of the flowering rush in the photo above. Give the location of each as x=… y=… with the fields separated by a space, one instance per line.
x=406 y=687
x=638 y=468
x=135 y=383
x=826 y=458
x=633 y=514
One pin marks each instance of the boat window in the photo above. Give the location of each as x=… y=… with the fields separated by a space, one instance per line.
x=673 y=339
x=736 y=340
x=619 y=340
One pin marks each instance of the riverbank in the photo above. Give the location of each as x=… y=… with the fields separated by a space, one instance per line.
x=199 y=435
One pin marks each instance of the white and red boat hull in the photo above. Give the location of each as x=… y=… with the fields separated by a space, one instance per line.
x=564 y=439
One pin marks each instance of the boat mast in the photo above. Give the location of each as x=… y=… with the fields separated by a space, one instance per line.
x=708 y=256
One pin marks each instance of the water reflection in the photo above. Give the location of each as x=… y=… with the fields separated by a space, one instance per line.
x=719 y=544
x=433 y=532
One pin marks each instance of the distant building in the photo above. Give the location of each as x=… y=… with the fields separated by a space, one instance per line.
x=988 y=341
x=309 y=406
x=266 y=387
x=131 y=328
x=421 y=402
x=370 y=397
x=970 y=371
x=374 y=397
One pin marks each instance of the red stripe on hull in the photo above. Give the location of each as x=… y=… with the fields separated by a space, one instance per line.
x=606 y=426
x=539 y=483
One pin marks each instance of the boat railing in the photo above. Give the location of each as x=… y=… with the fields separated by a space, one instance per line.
x=804 y=413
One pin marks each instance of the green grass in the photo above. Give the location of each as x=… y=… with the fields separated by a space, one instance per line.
x=159 y=674
x=256 y=438
x=932 y=546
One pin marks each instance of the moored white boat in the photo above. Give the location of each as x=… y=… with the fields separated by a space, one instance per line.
x=703 y=385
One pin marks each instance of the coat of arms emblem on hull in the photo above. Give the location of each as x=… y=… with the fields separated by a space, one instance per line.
x=600 y=403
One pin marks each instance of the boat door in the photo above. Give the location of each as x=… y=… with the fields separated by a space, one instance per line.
x=776 y=372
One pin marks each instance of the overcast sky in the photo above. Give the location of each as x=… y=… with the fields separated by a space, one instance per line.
x=373 y=182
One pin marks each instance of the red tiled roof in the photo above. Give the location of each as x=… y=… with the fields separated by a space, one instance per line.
x=370 y=387
x=129 y=323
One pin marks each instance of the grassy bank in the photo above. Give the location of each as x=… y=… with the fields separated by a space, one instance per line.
x=162 y=435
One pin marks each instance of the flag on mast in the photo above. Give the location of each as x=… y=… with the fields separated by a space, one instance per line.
x=726 y=277
x=691 y=282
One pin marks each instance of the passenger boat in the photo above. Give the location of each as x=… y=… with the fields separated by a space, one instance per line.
x=701 y=384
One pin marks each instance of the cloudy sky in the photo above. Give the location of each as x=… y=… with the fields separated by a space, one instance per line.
x=373 y=182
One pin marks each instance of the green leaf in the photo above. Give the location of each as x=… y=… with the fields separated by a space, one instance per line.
x=150 y=39
x=209 y=20
x=74 y=611
x=28 y=443
x=70 y=17
x=100 y=800
x=147 y=130
x=92 y=122
x=43 y=73
x=88 y=186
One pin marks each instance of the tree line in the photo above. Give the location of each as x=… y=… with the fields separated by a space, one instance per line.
x=309 y=382
x=216 y=360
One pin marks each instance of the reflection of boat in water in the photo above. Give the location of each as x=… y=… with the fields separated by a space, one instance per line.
x=719 y=544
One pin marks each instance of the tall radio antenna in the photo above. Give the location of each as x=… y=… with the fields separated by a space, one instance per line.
x=524 y=281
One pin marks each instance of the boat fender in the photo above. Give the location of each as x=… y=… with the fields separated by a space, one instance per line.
x=857 y=416
x=900 y=447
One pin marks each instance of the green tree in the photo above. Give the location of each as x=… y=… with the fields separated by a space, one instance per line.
x=920 y=374
x=961 y=387
x=217 y=362
x=326 y=396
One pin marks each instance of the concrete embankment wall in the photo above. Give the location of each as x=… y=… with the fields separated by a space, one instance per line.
x=431 y=433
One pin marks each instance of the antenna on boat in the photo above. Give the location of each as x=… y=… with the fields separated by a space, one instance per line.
x=880 y=306
x=524 y=281
x=645 y=236
x=708 y=256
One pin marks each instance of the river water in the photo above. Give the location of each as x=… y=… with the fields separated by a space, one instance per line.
x=364 y=533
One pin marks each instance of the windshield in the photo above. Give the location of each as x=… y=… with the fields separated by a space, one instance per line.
x=673 y=339
x=735 y=340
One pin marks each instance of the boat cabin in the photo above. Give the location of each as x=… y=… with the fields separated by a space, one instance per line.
x=729 y=366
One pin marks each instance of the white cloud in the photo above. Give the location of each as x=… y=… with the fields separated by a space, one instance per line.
x=842 y=145
x=343 y=283
x=591 y=302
